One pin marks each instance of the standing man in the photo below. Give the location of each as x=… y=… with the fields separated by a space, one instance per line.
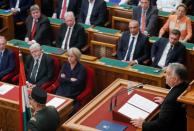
x=133 y=45
x=44 y=118
x=147 y=16
x=38 y=27
x=39 y=67
x=166 y=51
x=7 y=58
x=172 y=115
x=71 y=34
x=93 y=12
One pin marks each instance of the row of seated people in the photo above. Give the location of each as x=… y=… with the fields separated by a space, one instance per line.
x=73 y=80
x=94 y=13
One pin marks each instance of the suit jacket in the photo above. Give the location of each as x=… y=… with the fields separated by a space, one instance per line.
x=151 y=18
x=78 y=37
x=142 y=48
x=45 y=71
x=172 y=115
x=24 y=6
x=43 y=31
x=74 y=6
x=8 y=63
x=70 y=88
x=99 y=13
x=43 y=119
x=177 y=55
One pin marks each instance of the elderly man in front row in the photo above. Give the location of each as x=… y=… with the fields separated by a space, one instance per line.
x=133 y=46
x=172 y=115
x=39 y=67
x=7 y=58
x=71 y=34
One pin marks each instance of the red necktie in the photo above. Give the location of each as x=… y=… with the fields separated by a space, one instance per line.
x=63 y=10
x=33 y=31
x=143 y=21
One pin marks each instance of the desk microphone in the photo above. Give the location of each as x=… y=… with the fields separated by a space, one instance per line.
x=126 y=90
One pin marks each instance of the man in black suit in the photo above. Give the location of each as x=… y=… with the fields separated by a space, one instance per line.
x=133 y=46
x=71 y=34
x=7 y=58
x=172 y=115
x=39 y=67
x=70 y=5
x=38 y=27
x=166 y=51
x=20 y=8
x=147 y=16
x=93 y=12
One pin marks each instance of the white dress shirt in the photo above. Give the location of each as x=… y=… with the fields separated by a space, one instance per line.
x=168 y=5
x=90 y=8
x=67 y=39
x=133 y=48
x=162 y=60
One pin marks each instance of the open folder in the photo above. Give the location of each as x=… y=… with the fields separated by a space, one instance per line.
x=138 y=106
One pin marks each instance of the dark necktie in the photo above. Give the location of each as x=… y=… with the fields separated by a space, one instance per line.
x=130 y=49
x=67 y=38
x=169 y=55
x=1 y=56
x=34 y=70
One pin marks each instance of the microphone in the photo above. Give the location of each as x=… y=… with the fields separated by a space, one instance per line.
x=129 y=89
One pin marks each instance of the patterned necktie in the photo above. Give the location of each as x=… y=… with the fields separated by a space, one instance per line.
x=63 y=9
x=130 y=49
x=67 y=38
x=143 y=21
x=169 y=55
x=34 y=72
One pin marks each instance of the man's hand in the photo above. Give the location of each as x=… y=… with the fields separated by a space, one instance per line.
x=137 y=122
x=132 y=62
x=158 y=100
x=63 y=75
x=73 y=79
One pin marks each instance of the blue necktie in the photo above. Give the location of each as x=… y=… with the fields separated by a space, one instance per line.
x=130 y=48
x=115 y=1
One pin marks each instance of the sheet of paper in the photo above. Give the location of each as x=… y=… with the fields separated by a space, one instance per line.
x=5 y=88
x=132 y=112
x=143 y=103
x=56 y=102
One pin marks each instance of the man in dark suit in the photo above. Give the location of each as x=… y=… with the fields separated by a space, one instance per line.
x=71 y=34
x=7 y=58
x=38 y=27
x=147 y=16
x=93 y=12
x=19 y=8
x=44 y=118
x=172 y=115
x=39 y=67
x=166 y=51
x=70 y=5
x=133 y=46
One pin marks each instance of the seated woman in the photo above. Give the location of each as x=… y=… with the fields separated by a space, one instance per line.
x=178 y=21
x=72 y=75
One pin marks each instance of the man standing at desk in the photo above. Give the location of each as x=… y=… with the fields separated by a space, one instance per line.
x=7 y=58
x=71 y=34
x=166 y=51
x=39 y=67
x=45 y=118
x=133 y=46
x=147 y=16
x=172 y=115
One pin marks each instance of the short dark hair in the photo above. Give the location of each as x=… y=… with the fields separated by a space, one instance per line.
x=179 y=70
x=175 y=32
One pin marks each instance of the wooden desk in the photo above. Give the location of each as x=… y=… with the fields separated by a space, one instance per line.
x=77 y=122
x=8 y=23
x=9 y=109
x=105 y=74
x=187 y=97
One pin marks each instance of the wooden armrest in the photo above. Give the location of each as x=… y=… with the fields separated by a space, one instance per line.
x=3 y=29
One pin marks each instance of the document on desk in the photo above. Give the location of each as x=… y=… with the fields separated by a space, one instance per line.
x=5 y=88
x=138 y=106
x=56 y=102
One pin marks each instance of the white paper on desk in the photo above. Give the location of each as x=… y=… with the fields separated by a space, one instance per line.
x=56 y=102
x=5 y=88
x=132 y=112
x=143 y=103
